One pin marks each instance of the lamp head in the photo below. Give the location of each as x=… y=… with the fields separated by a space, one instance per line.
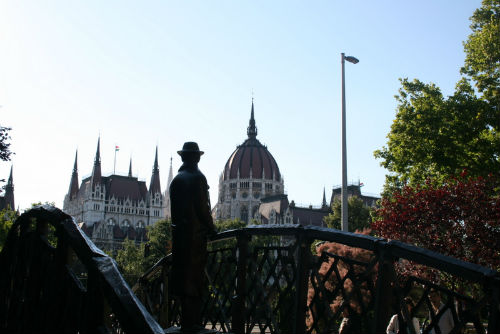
x=352 y=59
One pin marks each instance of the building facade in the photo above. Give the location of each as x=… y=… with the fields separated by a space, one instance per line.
x=112 y=208
x=354 y=190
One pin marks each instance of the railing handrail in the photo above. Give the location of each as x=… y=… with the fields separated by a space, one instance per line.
x=129 y=311
x=305 y=274
x=397 y=248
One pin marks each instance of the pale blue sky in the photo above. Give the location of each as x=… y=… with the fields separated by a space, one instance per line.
x=164 y=72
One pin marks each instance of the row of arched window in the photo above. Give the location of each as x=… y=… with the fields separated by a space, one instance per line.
x=125 y=223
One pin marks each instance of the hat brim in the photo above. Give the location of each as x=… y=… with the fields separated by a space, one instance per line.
x=181 y=151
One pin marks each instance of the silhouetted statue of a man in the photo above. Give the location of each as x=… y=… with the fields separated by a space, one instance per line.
x=191 y=225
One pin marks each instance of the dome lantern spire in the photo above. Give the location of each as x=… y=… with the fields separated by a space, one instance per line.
x=252 y=129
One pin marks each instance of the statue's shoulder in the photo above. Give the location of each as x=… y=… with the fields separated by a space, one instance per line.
x=201 y=176
x=181 y=177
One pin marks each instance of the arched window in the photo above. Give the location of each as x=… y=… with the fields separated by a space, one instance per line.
x=254 y=211
x=111 y=222
x=244 y=214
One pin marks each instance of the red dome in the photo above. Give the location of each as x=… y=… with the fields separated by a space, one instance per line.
x=251 y=156
x=254 y=156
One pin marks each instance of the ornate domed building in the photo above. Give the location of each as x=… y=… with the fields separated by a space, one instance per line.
x=250 y=174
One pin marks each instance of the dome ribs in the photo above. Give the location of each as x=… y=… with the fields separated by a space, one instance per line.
x=278 y=175
x=227 y=170
x=258 y=166
x=251 y=160
x=245 y=163
x=250 y=169
x=255 y=157
x=233 y=172
x=267 y=167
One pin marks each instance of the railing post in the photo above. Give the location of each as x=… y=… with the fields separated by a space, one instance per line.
x=95 y=304
x=384 y=292
x=239 y=310
x=493 y=321
x=165 y=316
x=302 y=282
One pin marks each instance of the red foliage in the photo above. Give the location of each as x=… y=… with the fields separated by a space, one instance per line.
x=460 y=218
x=347 y=286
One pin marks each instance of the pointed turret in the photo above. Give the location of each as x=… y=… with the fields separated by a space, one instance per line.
x=252 y=129
x=324 y=205
x=96 y=171
x=73 y=185
x=130 y=168
x=154 y=186
x=170 y=174
x=166 y=209
x=9 y=191
x=10 y=182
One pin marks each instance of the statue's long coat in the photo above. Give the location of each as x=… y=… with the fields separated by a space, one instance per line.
x=191 y=223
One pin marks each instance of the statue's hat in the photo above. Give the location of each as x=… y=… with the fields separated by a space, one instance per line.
x=190 y=147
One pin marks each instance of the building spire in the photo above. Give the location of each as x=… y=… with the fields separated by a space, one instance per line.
x=97 y=159
x=154 y=186
x=323 y=204
x=73 y=185
x=10 y=181
x=155 y=167
x=252 y=129
x=166 y=208
x=75 y=165
x=130 y=168
x=96 y=171
x=9 y=191
x=170 y=173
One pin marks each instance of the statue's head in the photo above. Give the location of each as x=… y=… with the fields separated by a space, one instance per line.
x=190 y=152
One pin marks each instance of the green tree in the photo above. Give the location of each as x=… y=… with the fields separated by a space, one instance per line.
x=7 y=218
x=229 y=224
x=436 y=137
x=160 y=242
x=5 y=152
x=131 y=260
x=482 y=48
x=358 y=215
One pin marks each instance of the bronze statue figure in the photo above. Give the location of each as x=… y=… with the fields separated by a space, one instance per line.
x=192 y=224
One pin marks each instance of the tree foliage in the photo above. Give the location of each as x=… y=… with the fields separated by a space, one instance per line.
x=134 y=259
x=460 y=218
x=482 y=48
x=131 y=260
x=358 y=296
x=229 y=224
x=160 y=241
x=358 y=215
x=5 y=152
x=437 y=137
x=7 y=218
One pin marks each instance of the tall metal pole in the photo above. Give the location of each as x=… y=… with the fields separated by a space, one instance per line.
x=344 y=221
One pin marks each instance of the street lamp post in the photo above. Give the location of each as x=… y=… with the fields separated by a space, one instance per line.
x=344 y=221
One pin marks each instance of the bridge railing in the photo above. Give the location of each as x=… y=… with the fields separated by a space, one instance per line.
x=54 y=280
x=294 y=279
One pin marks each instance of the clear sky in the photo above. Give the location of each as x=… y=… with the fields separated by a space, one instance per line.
x=147 y=73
